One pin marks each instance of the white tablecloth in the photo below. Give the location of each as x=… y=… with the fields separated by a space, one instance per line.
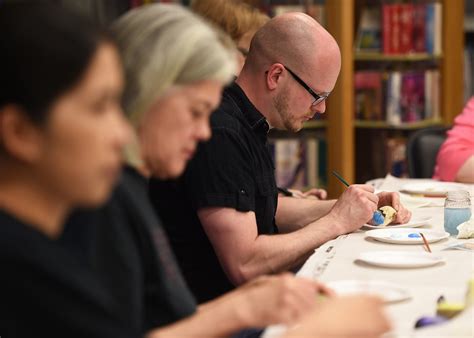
x=336 y=260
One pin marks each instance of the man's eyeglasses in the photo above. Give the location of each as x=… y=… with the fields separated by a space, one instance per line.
x=318 y=97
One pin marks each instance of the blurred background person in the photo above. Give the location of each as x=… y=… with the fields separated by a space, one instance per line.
x=238 y=19
x=455 y=160
x=62 y=134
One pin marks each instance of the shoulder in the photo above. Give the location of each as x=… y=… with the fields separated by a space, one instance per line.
x=131 y=198
x=17 y=238
x=227 y=116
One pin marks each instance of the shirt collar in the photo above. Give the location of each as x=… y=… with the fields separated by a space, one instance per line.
x=255 y=119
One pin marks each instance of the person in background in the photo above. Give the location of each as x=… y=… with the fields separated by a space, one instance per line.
x=62 y=133
x=241 y=21
x=455 y=160
x=224 y=219
x=236 y=18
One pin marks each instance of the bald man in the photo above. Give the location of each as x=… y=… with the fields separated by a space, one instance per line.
x=225 y=221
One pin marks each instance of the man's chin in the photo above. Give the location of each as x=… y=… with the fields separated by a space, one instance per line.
x=295 y=127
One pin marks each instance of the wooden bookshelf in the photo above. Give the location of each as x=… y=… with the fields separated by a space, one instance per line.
x=340 y=107
x=402 y=126
x=340 y=111
x=318 y=124
x=413 y=57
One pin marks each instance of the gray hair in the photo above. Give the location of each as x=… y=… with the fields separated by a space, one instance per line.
x=164 y=45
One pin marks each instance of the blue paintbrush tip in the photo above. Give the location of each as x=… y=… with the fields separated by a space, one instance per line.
x=378 y=218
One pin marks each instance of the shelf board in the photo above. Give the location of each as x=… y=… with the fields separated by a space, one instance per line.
x=403 y=126
x=315 y=124
x=413 y=57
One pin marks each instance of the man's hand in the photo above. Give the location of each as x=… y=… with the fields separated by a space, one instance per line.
x=354 y=208
x=318 y=194
x=393 y=199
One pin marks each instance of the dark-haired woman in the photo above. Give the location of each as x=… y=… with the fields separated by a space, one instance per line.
x=61 y=139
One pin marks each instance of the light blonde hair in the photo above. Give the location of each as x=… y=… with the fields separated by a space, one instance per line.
x=234 y=17
x=163 y=45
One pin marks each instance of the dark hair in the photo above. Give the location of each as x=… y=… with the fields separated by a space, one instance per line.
x=45 y=50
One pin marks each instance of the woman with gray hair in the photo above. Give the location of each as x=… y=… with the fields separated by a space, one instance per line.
x=175 y=67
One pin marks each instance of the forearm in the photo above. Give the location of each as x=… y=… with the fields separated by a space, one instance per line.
x=293 y=214
x=276 y=253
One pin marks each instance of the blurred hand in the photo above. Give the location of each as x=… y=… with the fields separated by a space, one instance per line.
x=354 y=207
x=278 y=299
x=344 y=317
x=314 y=193
x=393 y=199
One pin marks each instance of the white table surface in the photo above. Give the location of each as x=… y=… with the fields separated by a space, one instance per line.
x=336 y=260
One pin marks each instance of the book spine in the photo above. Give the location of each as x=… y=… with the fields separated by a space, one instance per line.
x=419 y=29
x=395 y=38
x=393 y=99
x=386 y=29
x=406 y=28
x=437 y=28
x=430 y=28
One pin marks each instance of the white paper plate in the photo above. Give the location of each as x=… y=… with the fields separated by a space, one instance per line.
x=416 y=221
x=387 y=291
x=400 y=259
x=438 y=189
x=406 y=235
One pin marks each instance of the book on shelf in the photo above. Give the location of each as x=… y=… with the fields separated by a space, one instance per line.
x=397 y=97
x=393 y=109
x=369 y=31
x=300 y=163
x=412 y=96
x=368 y=96
x=433 y=28
x=411 y=28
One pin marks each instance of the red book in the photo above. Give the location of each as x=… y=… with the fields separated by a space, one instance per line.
x=386 y=28
x=406 y=28
x=395 y=14
x=419 y=30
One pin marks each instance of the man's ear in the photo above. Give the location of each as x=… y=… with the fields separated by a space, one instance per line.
x=273 y=75
x=20 y=137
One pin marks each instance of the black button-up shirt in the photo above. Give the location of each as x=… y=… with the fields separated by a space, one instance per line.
x=234 y=170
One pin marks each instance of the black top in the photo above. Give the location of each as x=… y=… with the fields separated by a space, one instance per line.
x=126 y=244
x=103 y=278
x=235 y=170
x=47 y=291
